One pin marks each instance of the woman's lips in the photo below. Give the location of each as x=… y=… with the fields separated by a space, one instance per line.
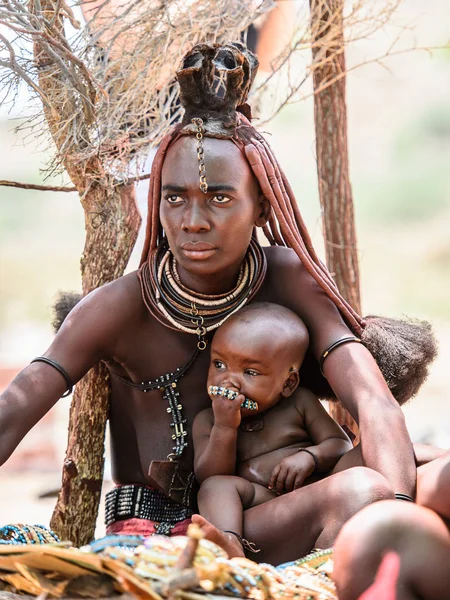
x=198 y=250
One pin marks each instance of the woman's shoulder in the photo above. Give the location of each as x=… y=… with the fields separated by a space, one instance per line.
x=289 y=283
x=286 y=272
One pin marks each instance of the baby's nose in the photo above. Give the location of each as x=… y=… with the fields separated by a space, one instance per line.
x=231 y=384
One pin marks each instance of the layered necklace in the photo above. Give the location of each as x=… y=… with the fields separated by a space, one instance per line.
x=175 y=305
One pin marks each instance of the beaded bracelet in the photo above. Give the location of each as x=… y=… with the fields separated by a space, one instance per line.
x=316 y=460
x=404 y=497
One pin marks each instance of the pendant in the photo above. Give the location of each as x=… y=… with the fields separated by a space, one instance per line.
x=252 y=424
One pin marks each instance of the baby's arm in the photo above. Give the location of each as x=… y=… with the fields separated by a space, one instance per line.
x=215 y=438
x=329 y=440
x=329 y=443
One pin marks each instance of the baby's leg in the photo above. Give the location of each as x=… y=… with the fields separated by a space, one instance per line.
x=417 y=535
x=222 y=500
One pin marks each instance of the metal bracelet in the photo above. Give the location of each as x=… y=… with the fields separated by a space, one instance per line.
x=59 y=368
x=404 y=497
x=316 y=460
x=333 y=346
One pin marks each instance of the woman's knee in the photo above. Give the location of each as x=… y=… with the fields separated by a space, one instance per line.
x=366 y=486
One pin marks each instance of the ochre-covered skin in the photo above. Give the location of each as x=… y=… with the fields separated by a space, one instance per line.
x=112 y=324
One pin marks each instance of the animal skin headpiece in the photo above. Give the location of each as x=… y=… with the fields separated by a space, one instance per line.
x=214 y=82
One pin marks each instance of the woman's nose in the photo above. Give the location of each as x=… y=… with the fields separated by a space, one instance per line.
x=195 y=219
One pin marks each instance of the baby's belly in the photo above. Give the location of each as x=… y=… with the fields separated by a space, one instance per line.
x=260 y=468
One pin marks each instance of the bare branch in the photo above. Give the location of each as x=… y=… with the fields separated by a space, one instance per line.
x=63 y=188
x=42 y=188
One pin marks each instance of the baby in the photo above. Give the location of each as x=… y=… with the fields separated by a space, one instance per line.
x=264 y=435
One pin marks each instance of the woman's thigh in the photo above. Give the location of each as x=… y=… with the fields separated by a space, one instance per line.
x=291 y=525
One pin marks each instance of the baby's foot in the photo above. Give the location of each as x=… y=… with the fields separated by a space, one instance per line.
x=227 y=541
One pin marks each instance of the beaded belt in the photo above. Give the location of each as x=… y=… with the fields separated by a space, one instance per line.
x=140 y=502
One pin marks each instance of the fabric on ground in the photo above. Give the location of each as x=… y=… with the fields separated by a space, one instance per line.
x=144 y=527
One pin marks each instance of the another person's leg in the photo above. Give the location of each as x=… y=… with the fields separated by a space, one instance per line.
x=417 y=535
x=433 y=486
x=291 y=525
x=424 y=455
x=222 y=500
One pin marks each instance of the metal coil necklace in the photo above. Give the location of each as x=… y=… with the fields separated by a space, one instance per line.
x=180 y=308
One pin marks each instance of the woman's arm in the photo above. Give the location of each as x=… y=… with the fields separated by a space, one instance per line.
x=350 y=370
x=86 y=336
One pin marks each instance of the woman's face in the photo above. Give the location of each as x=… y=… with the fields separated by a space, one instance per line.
x=209 y=233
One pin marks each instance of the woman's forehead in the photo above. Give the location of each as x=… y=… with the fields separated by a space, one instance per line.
x=224 y=162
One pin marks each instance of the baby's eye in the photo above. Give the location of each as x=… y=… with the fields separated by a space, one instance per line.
x=220 y=199
x=174 y=199
x=251 y=372
x=218 y=364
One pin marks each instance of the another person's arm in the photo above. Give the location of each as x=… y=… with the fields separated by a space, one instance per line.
x=352 y=373
x=215 y=434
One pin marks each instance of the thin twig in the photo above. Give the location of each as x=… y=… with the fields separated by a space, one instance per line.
x=64 y=188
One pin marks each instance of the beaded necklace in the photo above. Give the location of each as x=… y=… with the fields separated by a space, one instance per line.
x=176 y=306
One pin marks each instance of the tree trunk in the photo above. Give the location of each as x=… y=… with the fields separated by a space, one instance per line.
x=112 y=222
x=330 y=114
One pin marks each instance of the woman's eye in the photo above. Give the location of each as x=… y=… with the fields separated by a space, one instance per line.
x=220 y=199
x=251 y=372
x=218 y=364
x=174 y=199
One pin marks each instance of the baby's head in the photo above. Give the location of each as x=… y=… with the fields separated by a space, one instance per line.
x=258 y=353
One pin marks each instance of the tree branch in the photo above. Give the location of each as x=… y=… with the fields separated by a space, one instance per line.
x=62 y=188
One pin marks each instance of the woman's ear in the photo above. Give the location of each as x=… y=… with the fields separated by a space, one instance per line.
x=264 y=211
x=291 y=383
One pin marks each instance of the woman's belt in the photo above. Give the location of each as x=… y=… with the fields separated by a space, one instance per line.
x=141 y=502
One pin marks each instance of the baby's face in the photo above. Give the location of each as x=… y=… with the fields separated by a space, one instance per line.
x=250 y=363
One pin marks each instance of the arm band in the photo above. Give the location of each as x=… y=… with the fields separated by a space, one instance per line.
x=59 y=368
x=404 y=497
x=316 y=460
x=333 y=346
